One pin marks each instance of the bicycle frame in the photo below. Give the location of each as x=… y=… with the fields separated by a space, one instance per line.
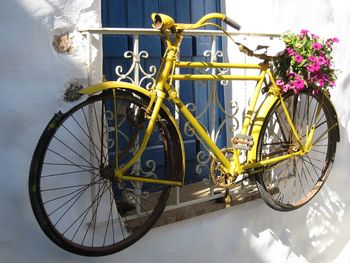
x=163 y=89
x=234 y=166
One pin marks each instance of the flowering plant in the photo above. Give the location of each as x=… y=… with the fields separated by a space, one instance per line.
x=306 y=63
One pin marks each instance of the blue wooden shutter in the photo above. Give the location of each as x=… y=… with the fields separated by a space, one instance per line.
x=136 y=14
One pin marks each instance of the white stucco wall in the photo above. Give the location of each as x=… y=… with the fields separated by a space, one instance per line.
x=33 y=78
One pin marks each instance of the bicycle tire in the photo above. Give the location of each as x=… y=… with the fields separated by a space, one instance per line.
x=77 y=201
x=292 y=183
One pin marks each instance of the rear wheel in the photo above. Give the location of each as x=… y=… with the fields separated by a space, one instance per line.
x=76 y=199
x=291 y=183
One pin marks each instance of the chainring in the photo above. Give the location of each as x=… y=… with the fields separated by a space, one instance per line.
x=218 y=176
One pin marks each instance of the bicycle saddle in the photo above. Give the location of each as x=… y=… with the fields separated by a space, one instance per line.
x=261 y=48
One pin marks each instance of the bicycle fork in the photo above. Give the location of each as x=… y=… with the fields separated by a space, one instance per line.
x=120 y=172
x=152 y=113
x=310 y=131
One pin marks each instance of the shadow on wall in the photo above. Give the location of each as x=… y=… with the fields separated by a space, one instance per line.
x=328 y=219
x=319 y=231
x=346 y=81
x=33 y=78
x=314 y=233
x=253 y=232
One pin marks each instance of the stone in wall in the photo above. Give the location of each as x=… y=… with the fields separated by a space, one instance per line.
x=63 y=43
x=72 y=91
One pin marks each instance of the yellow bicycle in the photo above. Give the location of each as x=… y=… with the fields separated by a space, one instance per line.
x=89 y=186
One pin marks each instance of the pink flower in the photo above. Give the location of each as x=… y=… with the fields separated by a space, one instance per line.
x=329 y=42
x=312 y=58
x=313 y=79
x=320 y=82
x=310 y=68
x=279 y=82
x=307 y=63
x=321 y=60
x=298 y=85
x=316 y=67
x=298 y=58
x=290 y=51
x=313 y=67
x=286 y=87
x=316 y=46
x=291 y=74
x=325 y=77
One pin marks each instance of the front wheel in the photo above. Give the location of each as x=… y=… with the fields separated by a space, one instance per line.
x=291 y=183
x=76 y=199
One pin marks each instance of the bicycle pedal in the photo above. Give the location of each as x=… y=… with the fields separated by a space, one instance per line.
x=242 y=142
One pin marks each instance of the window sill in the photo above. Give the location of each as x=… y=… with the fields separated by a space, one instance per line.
x=240 y=194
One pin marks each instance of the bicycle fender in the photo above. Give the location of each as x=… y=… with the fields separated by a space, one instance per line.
x=178 y=151
x=258 y=121
x=91 y=90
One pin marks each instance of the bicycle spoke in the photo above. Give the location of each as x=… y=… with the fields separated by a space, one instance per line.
x=305 y=176
x=70 y=173
x=84 y=167
x=79 y=194
x=63 y=196
x=68 y=187
x=93 y=220
x=84 y=214
x=78 y=197
x=277 y=177
x=88 y=126
x=312 y=164
x=93 y=144
x=110 y=217
x=60 y=155
x=283 y=127
x=79 y=141
x=323 y=134
x=300 y=176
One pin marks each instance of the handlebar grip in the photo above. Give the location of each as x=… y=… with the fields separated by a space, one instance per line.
x=232 y=23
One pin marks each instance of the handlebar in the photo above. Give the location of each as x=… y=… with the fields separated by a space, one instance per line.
x=232 y=23
x=165 y=22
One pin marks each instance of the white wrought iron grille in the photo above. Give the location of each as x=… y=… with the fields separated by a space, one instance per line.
x=233 y=108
